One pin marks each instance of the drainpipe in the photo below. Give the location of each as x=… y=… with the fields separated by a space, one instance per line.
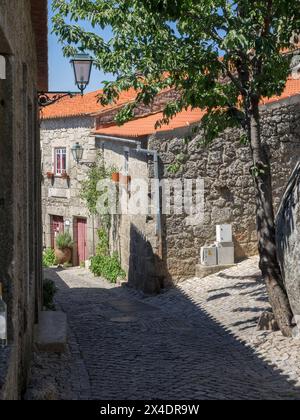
x=154 y=154
x=120 y=140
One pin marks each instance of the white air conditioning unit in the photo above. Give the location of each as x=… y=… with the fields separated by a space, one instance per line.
x=225 y=253
x=209 y=256
x=224 y=233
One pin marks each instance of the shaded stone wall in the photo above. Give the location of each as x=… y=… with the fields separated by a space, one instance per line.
x=20 y=211
x=133 y=235
x=61 y=197
x=39 y=16
x=229 y=188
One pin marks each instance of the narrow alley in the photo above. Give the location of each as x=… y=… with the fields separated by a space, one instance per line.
x=183 y=344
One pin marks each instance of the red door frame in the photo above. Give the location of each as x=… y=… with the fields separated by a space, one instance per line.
x=57 y=226
x=80 y=236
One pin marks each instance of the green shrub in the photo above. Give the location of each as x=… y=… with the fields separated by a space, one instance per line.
x=49 y=290
x=89 y=187
x=49 y=258
x=108 y=267
x=103 y=244
x=64 y=241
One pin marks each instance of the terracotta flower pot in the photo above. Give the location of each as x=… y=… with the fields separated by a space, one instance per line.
x=50 y=175
x=115 y=177
x=125 y=180
x=63 y=255
x=65 y=176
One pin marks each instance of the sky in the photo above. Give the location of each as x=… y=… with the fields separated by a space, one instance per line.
x=61 y=76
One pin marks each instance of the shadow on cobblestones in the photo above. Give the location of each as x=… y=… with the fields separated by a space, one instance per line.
x=216 y=297
x=254 y=289
x=122 y=347
x=254 y=310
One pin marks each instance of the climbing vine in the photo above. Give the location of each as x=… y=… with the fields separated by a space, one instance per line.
x=89 y=191
x=103 y=263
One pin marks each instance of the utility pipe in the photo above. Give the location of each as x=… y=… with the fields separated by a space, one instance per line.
x=119 y=139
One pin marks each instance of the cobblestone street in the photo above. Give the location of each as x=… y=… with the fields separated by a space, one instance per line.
x=198 y=341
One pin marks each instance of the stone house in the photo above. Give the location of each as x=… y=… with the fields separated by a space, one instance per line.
x=23 y=51
x=159 y=249
x=156 y=260
x=63 y=124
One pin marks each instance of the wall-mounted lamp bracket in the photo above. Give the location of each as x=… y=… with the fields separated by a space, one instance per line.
x=49 y=98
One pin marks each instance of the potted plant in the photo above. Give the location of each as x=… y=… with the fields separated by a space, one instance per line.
x=50 y=175
x=115 y=177
x=64 y=175
x=63 y=251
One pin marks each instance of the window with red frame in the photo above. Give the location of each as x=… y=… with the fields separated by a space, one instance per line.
x=60 y=157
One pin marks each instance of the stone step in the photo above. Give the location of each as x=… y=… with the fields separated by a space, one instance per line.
x=203 y=271
x=51 y=333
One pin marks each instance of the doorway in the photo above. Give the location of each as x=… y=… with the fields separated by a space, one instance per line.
x=57 y=227
x=80 y=236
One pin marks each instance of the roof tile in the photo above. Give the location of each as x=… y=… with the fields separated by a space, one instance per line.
x=88 y=105
x=85 y=105
x=146 y=125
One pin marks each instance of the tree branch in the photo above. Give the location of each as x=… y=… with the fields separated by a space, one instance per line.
x=234 y=80
x=267 y=20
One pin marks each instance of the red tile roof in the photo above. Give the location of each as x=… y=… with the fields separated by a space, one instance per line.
x=146 y=125
x=292 y=88
x=88 y=105
x=85 y=105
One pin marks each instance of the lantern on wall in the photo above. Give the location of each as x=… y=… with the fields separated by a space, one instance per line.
x=77 y=152
x=82 y=65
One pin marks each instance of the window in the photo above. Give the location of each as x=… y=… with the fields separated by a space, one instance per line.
x=60 y=157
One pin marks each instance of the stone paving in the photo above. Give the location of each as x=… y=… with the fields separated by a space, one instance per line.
x=198 y=341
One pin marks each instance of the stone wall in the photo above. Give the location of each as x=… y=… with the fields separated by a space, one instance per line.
x=61 y=197
x=39 y=16
x=20 y=215
x=229 y=188
x=133 y=236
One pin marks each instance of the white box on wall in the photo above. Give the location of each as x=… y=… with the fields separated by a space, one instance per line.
x=225 y=253
x=224 y=233
x=209 y=256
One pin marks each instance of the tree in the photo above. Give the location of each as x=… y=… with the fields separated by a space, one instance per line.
x=223 y=56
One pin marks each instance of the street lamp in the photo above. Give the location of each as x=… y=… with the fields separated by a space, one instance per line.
x=82 y=65
x=77 y=152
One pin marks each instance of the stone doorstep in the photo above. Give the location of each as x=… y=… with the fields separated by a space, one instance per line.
x=203 y=271
x=51 y=332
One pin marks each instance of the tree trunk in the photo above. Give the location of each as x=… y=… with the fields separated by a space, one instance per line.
x=269 y=264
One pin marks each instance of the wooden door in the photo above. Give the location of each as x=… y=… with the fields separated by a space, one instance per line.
x=81 y=240
x=57 y=227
